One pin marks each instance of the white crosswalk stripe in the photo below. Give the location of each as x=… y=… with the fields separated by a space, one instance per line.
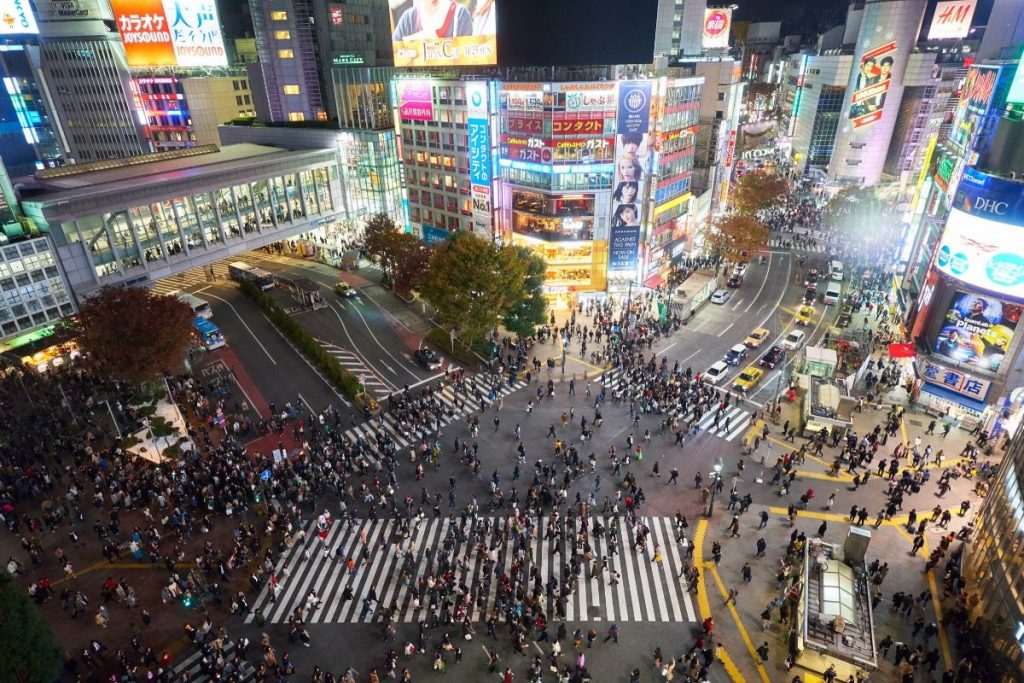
x=777 y=243
x=194 y=669
x=191 y=279
x=646 y=590
x=354 y=364
x=731 y=424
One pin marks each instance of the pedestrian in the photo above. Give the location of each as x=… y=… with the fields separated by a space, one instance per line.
x=591 y=637
x=762 y=651
x=746 y=572
x=761 y=546
x=613 y=634
x=766 y=618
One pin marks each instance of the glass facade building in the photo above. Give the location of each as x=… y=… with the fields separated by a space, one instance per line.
x=826 y=123
x=33 y=292
x=27 y=139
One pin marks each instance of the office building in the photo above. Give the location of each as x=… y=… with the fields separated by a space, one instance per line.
x=678 y=30
x=28 y=141
x=184 y=112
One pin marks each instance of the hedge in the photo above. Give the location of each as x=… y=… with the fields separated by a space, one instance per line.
x=332 y=370
x=469 y=357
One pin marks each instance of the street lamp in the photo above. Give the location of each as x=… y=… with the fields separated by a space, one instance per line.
x=716 y=476
x=565 y=344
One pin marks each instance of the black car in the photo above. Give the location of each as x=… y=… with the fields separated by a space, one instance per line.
x=775 y=355
x=734 y=282
x=427 y=358
x=812 y=277
x=810 y=295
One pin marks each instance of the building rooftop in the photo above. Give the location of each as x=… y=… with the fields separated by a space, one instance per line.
x=73 y=182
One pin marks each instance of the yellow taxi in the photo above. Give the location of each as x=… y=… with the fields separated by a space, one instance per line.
x=805 y=315
x=748 y=379
x=756 y=338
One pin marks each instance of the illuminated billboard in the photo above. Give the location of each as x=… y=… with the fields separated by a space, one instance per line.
x=717 y=25
x=977 y=330
x=1016 y=92
x=415 y=100
x=632 y=147
x=952 y=19
x=16 y=18
x=170 y=32
x=443 y=32
x=982 y=244
x=976 y=97
x=873 y=80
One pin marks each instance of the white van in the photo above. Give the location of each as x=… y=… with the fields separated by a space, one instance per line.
x=837 y=271
x=833 y=293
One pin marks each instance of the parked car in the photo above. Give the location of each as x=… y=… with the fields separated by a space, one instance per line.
x=734 y=355
x=716 y=373
x=427 y=358
x=756 y=338
x=721 y=296
x=740 y=269
x=794 y=340
x=773 y=357
x=734 y=282
x=748 y=379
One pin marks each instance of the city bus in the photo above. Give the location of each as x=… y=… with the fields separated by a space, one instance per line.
x=199 y=306
x=239 y=270
x=209 y=334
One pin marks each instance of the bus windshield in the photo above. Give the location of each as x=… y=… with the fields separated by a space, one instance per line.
x=209 y=334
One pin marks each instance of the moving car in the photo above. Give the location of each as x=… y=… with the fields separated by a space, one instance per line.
x=427 y=358
x=833 y=293
x=734 y=355
x=748 y=379
x=837 y=271
x=734 y=281
x=811 y=279
x=716 y=373
x=721 y=296
x=805 y=315
x=775 y=355
x=794 y=340
x=345 y=289
x=740 y=269
x=756 y=338
x=810 y=295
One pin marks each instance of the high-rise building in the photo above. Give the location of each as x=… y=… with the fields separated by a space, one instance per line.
x=87 y=85
x=814 y=95
x=299 y=41
x=184 y=112
x=679 y=27
x=27 y=138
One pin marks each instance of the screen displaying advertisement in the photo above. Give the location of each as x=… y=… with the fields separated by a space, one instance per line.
x=631 y=151
x=982 y=244
x=444 y=32
x=873 y=80
x=952 y=19
x=717 y=26
x=415 y=100
x=977 y=330
x=976 y=96
x=1016 y=93
x=170 y=32
x=16 y=18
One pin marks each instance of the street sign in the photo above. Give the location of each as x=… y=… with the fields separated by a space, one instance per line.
x=265 y=475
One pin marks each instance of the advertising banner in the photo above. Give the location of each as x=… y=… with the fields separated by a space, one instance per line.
x=717 y=25
x=525 y=126
x=952 y=19
x=632 y=147
x=170 y=32
x=66 y=10
x=443 y=32
x=982 y=244
x=977 y=330
x=954 y=380
x=579 y=125
x=1015 y=95
x=16 y=18
x=415 y=100
x=582 y=97
x=562 y=150
x=623 y=248
x=975 y=100
x=873 y=81
x=479 y=133
x=634 y=106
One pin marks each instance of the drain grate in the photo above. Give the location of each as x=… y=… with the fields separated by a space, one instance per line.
x=916 y=423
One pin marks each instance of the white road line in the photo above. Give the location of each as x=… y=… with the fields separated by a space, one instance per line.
x=246 y=325
x=763 y=283
x=665 y=566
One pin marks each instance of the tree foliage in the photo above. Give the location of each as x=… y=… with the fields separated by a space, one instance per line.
x=472 y=284
x=531 y=311
x=133 y=334
x=757 y=190
x=731 y=235
x=28 y=647
x=402 y=256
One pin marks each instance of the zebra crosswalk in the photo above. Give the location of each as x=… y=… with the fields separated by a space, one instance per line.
x=731 y=423
x=646 y=589
x=201 y=667
x=455 y=405
x=373 y=382
x=191 y=279
x=787 y=243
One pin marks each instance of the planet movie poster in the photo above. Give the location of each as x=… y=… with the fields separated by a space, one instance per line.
x=978 y=330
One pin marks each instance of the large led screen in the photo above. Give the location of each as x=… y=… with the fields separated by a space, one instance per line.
x=977 y=330
x=444 y=32
x=170 y=32
x=16 y=18
x=982 y=244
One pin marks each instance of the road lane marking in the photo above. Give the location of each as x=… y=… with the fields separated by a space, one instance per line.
x=246 y=325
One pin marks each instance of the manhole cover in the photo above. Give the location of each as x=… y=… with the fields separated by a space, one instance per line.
x=916 y=423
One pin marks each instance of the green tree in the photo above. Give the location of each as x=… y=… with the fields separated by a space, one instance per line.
x=532 y=309
x=735 y=236
x=410 y=257
x=380 y=238
x=28 y=647
x=757 y=190
x=133 y=334
x=472 y=284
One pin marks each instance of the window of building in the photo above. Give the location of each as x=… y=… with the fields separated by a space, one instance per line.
x=279 y=16
x=285 y=54
x=283 y=35
x=291 y=90
x=296 y=116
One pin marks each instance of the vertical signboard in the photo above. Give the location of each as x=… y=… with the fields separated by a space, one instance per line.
x=416 y=100
x=717 y=26
x=631 y=150
x=873 y=80
x=479 y=133
x=170 y=32
x=16 y=18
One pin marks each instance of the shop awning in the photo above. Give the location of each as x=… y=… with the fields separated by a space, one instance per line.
x=970 y=403
x=654 y=281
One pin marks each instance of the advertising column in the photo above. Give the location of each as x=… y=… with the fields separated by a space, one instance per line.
x=631 y=166
x=479 y=133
